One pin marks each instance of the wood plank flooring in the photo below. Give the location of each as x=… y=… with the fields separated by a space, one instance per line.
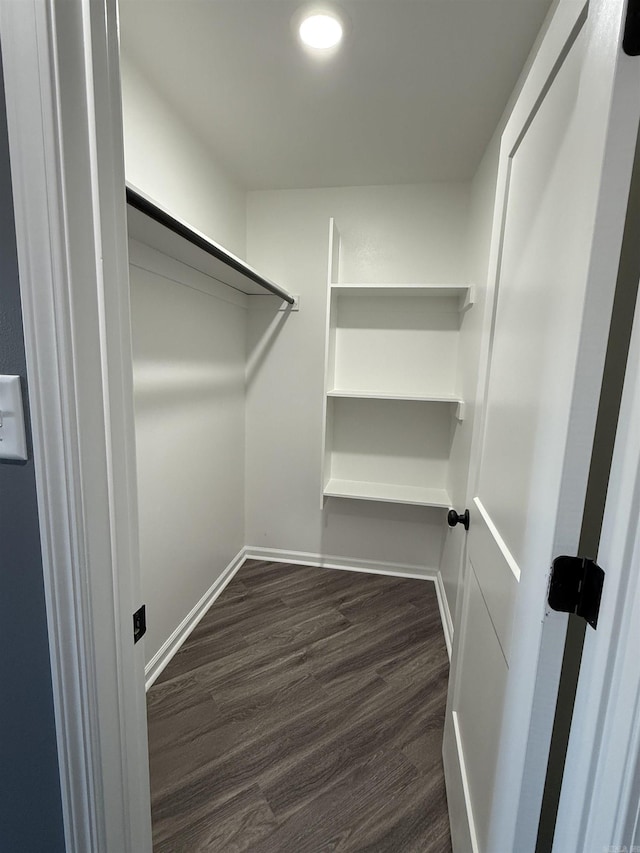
x=303 y=715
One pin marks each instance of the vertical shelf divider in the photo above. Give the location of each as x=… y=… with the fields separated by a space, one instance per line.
x=333 y=273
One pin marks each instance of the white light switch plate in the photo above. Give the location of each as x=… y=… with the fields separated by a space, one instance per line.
x=13 y=441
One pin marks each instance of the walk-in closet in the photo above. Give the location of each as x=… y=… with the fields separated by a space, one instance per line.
x=362 y=323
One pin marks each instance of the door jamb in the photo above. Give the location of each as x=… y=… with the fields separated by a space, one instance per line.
x=62 y=90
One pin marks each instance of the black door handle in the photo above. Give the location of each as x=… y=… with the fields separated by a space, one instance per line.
x=454 y=518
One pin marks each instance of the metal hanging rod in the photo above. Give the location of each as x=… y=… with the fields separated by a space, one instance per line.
x=145 y=205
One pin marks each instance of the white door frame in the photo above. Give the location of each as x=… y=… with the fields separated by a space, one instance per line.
x=62 y=89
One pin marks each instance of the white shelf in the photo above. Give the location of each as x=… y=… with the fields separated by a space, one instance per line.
x=155 y=226
x=391 y=365
x=433 y=289
x=404 y=444
x=384 y=395
x=463 y=292
x=387 y=492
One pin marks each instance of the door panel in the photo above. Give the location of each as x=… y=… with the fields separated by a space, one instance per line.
x=544 y=356
x=538 y=320
x=479 y=705
x=497 y=575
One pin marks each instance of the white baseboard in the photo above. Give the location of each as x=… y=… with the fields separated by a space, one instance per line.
x=307 y=558
x=445 y=613
x=168 y=649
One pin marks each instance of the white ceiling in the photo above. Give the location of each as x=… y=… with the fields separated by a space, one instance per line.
x=413 y=95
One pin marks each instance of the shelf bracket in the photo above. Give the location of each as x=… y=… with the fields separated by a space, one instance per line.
x=460 y=411
x=468 y=300
x=295 y=305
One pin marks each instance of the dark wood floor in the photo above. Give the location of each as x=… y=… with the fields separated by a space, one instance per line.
x=304 y=714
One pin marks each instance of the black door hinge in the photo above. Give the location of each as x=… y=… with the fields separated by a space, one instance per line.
x=576 y=587
x=139 y=623
x=631 y=38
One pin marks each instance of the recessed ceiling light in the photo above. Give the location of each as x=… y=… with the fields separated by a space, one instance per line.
x=321 y=30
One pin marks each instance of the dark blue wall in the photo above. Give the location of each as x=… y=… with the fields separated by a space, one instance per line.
x=30 y=807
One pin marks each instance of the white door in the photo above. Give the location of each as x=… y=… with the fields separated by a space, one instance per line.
x=564 y=172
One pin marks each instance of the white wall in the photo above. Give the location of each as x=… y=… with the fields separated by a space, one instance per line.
x=165 y=158
x=404 y=233
x=189 y=359
x=189 y=374
x=31 y=816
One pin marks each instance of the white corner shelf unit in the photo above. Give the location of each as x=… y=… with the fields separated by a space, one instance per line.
x=391 y=406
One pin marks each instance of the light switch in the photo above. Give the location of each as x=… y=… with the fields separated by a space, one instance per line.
x=13 y=441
